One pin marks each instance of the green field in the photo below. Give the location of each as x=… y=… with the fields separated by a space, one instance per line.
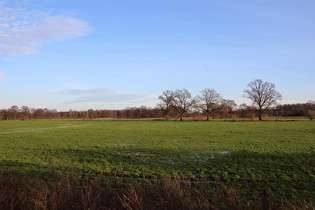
x=248 y=155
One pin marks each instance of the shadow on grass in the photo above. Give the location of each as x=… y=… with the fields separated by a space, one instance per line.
x=68 y=193
x=248 y=172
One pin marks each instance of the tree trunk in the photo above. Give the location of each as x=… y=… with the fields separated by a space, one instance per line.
x=207 y=117
x=260 y=114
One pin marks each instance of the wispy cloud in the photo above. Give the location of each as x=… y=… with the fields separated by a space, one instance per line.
x=2 y=78
x=23 y=31
x=86 y=91
x=106 y=96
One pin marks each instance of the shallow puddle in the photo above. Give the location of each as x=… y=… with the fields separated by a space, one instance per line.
x=34 y=129
x=195 y=157
x=181 y=159
x=134 y=153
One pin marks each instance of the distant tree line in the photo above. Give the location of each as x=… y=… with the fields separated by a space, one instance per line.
x=286 y=110
x=26 y=113
x=225 y=109
x=177 y=104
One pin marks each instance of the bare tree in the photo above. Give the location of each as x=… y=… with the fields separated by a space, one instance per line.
x=5 y=114
x=227 y=107
x=246 y=111
x=39 y=113
x=70 y=113
x=262 y=94
x=26 y=112
x=310 y=105
x=91 y=114
x=311 y=114
x=167 y=99
x=182 y=102
x=207 y=101
x=14 y=112
x=2 y=111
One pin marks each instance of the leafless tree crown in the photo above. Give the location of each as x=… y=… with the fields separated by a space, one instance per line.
x=208 y=100
x=262 y=94
x=167 y=99
x=182 y=101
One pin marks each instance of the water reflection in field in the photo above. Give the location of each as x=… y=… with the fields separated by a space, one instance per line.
x=34 y=129
x=177 y=159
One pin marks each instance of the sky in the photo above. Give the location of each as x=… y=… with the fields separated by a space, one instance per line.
x=113 y=54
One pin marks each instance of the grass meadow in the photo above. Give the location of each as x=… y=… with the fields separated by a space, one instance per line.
x=245 y=155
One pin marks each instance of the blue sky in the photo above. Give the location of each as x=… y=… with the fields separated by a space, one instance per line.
x=111 y=54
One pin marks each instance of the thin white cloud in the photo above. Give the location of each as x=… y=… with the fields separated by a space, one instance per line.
x=2 y=78
x=105 y=96
x=86 y=91
x=23 y=31
x=110 y=98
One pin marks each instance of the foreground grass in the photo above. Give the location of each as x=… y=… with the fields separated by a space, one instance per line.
x=66 y=193
x=245 y=155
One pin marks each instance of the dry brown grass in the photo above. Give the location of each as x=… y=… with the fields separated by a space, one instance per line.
x=64 y=193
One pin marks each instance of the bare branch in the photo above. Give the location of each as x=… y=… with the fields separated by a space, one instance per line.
x=208 y=100
x=262 y=94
